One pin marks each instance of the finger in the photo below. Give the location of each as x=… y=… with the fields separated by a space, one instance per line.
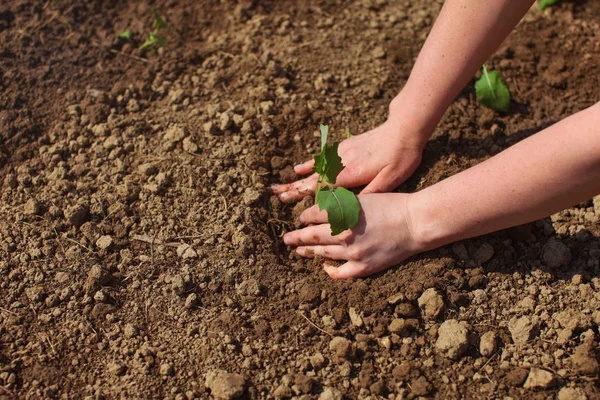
x=348 y=270
x=311 y=236
x=333 y=252
x=299 y=189
x=305 y=167
x=383 y=182
x=313 y=215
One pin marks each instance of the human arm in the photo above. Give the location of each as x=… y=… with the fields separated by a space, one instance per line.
x=463 y=37
x=545 y=173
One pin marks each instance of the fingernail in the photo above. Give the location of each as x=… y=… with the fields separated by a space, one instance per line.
x=275 y=186
x=301 y=218
x=284 y=196
x=287 y=240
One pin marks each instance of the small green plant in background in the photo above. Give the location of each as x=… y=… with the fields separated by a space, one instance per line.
x=491 y=91
x=547 y=3
x=341 y=204
x=153 y=39
x=125 y=35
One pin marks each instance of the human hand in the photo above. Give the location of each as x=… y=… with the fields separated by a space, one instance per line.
x=382 y=159
x=382 y=238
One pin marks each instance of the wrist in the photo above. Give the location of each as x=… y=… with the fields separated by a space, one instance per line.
x=426 y=223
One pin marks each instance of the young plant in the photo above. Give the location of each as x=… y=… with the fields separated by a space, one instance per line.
x=341 y=204
x=547 y=3
x=491 y=91
x=125 y=35
x=153 y=39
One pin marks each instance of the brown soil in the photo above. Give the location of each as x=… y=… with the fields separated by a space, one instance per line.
x=140 y=250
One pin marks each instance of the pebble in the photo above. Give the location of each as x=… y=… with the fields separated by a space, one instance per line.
x=488 y=343
x=191 y=301
x=452 y=339
x=483 y=253
x=32 y=207
x=225 y=385
x=597 y=205
x=539 y=379
x=584 y=360
x=251 y=196
x=186 y=252
x=166 y=369
x=355 y=317
x=178 y=285
x=431 y=304
x=190 y=146
x=421 y=386
x=174 y=133
x=516 y=377
x=317 y=361
x=76 y=214
x=331 y=394
x=130 y=331
x=522 y=329
x=556 y=253
x=283 y=392
x=104 y=242
x=225 y=122
x=147 y=169
x=573 y=320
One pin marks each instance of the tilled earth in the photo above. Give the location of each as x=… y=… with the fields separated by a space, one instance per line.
x=141 y=252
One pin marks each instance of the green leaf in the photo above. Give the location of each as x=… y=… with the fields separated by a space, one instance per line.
x=349 y=135
x=328 y=163
x=159 y=23
x=324 y=133
x=342 y=208
x=547 y=3
x=125 y=35
x=152 y=41
x=491 y=91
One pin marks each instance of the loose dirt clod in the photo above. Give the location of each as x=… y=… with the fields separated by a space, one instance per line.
x=225 y=385
x=452 y=339
x=539 y=379
x=571 y=394
x=330 y=393
x=431 y=303
x=522 y=329
x=488 y=343
x=556 y=254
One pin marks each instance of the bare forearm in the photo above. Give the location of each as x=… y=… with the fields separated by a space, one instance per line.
x=553 y=170
x=465 y=34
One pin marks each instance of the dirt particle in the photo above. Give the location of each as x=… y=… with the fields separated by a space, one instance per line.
x=225 y=385
x=421 y=386
x=104 y=242
x=573 y=320
x=567 y=393
x=190 y=146
x=539 y=379
x=32 y=207
x=148 y=169
x=331 y=394
x=431 y=303
x=522 y=329
x=186 y=252
x=174 y=133
x=101 y=310
x=556 y=253
x=178 y=285
x=166 y=369
x=488 y=343
x=453 y=340
x=584 y=360
x=283 y=392
x=355 y=317
x=516 y=377
x=251 y=196
x=191 y=301
x=342 y=349
x=76 y=214
x=483 y=253
x=309 y=293
x=317 y=361
x=130 y=331
x=116 y=369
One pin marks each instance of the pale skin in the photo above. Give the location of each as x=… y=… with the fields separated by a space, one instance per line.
x=555 y=169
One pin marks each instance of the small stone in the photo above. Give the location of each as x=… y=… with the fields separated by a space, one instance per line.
x=210 y=128
x=407 y=310
x=355 y=317
x=317 y=361
x=112 y=142
x=573 y=320
x=431 y=304
x=225 y=122
x=224 y=385
x=190 y=146
x=379 y=52
x=166 y=369
x=398 y=326
x=175 y=96
x=522 y=329
x=104 y=242
x=488 y=343
x=461 y=251
x=556 y=254
x=130 y=331
x=516 y=377
x=76 y=214
x=309 y=293
x=571 y=394
x=453 y=340
x=342 y=349
x=539 y=379
x=597 y=205
x=186 y=252
x=331 y=394
x=100 y=296
x=32 y=207
x=148 y=169
x=266 y=107
x=191 y=301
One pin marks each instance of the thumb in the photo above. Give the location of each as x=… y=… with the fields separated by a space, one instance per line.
x=347 y=270
x=383 y=182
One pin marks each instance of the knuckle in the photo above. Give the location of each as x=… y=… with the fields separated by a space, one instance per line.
x=355 y=252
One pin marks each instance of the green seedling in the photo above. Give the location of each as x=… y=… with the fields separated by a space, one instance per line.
x=125 y=35
x=153 y=39
x=491 y=91
x=349 y=135
x=547 y=3
x=341 y=204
